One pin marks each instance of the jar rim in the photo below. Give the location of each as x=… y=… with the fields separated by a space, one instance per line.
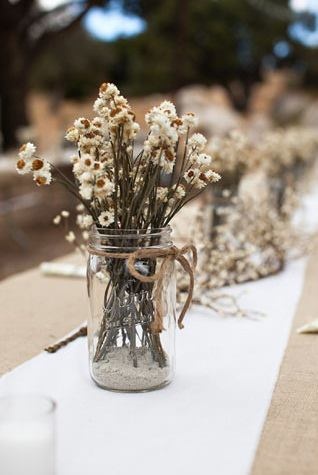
x=130 y=239
x=129 y=232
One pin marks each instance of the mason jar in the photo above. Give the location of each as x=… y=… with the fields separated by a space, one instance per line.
x=131 y=329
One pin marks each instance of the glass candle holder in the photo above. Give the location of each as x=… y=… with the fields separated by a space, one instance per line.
x=27 y=435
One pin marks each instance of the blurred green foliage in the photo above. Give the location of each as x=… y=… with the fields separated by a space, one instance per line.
x=186 y=41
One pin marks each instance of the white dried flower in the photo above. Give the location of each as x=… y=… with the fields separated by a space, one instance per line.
x=162 y=193
x=108 y=90
x=86 y=177
x=57 y=219
x=87 y=220
x=180 y=192
x=80 y=207
x=86 y=191
x=65 y=214
x=72 y=134
x=84 y=221
x=106 y=218
x=70 y=237
x=103 y=187
x=197 y=141
x=168 y=108
x=27 y=151
x=212 y=176
x=189 y=120
x=191 y=175
x=82 y=124
x=44 y=177
x=204 y=160
x=23 y=166
x=85 y=235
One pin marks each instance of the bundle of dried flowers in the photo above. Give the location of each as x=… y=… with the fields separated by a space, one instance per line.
x=287 y=156
x=116 y=188
x=254 y=241
x=287 y=150
x=234 y=155
x=120 y=190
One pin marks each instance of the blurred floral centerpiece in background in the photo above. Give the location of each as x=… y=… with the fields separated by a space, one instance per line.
x=127 y=202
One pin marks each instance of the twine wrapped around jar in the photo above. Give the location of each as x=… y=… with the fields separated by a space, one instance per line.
x=168 y=254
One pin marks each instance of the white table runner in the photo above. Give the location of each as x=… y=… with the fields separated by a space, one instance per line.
x=208 y=421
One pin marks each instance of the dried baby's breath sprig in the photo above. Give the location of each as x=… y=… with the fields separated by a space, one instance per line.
x=71 y=237
x=253 y=241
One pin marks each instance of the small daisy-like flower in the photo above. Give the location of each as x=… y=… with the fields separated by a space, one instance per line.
x=180 y=192
x=104 y=187
x=191 y=175
x=65 y=214
x=168 y=108
x=86 y=177
x=189 y=120
x=82 y=124
x=85 y=235
x=100 y=107
x=37 y=164
x=84 y=221
x=197 y=141
x=98 y=122
x=204 y=160
x=57 y=219
x=88 y=162
x=106 y=218
x=70 y=237
x=86 y=191
x=27 y=151
x=162 y=193
x=23 y=166
x=80 y=207
x=87 y=220
x=72 y=134
x=108 y=90
x=42 y=178
x=212 y=176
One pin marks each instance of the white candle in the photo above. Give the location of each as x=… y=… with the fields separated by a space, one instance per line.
x=26 y=436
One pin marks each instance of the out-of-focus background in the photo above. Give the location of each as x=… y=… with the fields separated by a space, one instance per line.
x=238 y=64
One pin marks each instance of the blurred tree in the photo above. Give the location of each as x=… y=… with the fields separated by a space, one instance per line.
x=203 y=41
x=185 y=41
x=77 y=72
x=25 y=30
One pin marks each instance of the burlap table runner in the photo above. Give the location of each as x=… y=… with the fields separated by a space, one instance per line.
x=35 y=311
x=289 y=442
x=32 y=318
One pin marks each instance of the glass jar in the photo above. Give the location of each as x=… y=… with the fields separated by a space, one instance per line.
x=128 y=351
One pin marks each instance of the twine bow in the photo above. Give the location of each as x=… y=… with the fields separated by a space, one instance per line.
x=168 y=255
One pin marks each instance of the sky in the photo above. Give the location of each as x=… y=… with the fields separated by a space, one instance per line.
x=298 y=31
x=112 y=23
